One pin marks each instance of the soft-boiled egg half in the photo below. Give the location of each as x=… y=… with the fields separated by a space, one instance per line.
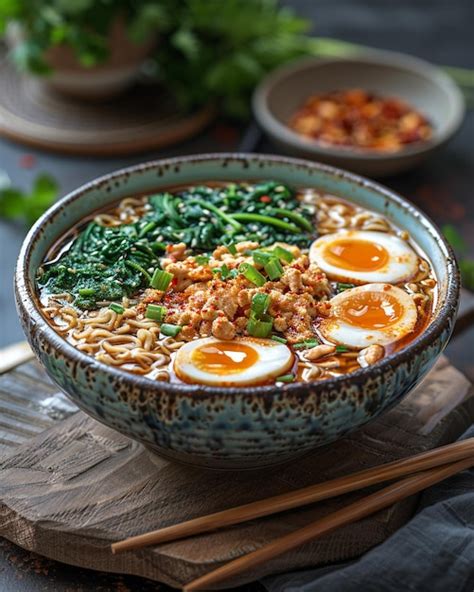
x=370 y=314
x=240 y=362
x=360 y=256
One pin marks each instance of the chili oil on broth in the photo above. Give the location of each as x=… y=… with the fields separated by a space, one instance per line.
x=132 y=342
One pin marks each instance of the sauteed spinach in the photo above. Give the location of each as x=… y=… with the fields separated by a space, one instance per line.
x=107 y=263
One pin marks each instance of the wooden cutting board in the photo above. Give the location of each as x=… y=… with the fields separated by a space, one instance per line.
x=68 y=491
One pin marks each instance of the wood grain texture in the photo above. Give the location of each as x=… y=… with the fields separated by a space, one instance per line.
x=78 y=486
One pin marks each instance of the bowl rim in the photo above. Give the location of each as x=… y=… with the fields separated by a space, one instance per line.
x=27 y=302
x=389 y=59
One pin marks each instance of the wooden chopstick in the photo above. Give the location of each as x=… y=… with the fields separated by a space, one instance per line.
x=356 y=511
x=301 y=497
x=14 y=355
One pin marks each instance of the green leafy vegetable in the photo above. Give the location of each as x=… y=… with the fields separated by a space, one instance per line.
x=25 y=206
x=104 y=264
x=466 y=264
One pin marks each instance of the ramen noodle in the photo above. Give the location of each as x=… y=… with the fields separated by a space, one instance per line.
x=237 y=285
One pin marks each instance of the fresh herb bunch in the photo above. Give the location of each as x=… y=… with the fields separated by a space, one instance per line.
x=27 y=206
x=107 y=263
x=221 y=49
x=81 y=24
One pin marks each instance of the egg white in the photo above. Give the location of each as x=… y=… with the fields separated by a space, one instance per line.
x=274 y=359
x=402 y=263
x=336 y=330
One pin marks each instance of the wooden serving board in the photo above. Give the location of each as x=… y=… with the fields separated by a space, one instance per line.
x=68 y=491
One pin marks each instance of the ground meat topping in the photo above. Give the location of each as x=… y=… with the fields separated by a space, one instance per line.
x=204 y=303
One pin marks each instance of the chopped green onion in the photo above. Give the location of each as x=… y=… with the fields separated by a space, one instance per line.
x=245 y=217
x=283 y=254
x=260 y=304
x=341 y=287
x=261 y=257
x=155 y=312
x=274 y=269
x=294 y=217
x=86 y=292
x=161 y=280
x=118 y=308
x=202 y=259
x=259 y=328
x=278 y=339
x=286 y=378
x=225 y=272
x=341 y=349
x=306 y=344
x=170 y=330
x=231 y=248
x=252 y=274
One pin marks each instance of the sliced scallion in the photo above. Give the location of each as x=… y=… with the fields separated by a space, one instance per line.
x=118 y=308
x=283 y=254
x=259 y=328
x=202 y=259
x=170 y=330
x=341 y=286
x=341 y=349
x=278 y=339
x=156 y=312
x=161 y=280
x=231 y=248
x=306 y=344
x=286 y=378
x=274 y=269
x=261 y=257
x=252 y=274
x=260 y=304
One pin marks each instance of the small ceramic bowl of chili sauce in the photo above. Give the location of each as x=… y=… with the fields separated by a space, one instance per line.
x=378 y=114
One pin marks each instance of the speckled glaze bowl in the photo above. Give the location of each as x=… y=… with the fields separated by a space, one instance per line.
x=233 y=427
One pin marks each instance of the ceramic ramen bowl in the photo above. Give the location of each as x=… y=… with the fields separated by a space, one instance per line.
x=233 y=427
x=388 y=74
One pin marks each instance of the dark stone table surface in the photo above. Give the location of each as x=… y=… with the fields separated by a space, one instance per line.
x=437 y=30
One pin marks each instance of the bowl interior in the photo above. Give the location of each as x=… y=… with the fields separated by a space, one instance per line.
x=424 y=86
x=155 y=176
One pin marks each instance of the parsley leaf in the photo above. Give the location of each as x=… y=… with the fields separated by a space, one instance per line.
x=25 y=206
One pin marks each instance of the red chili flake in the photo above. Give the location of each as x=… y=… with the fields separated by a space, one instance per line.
x=265 y=199
x=27 y=161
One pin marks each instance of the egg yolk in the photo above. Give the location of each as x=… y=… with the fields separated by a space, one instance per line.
x=355 y=254
x=224 y=357
x=370 y=310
